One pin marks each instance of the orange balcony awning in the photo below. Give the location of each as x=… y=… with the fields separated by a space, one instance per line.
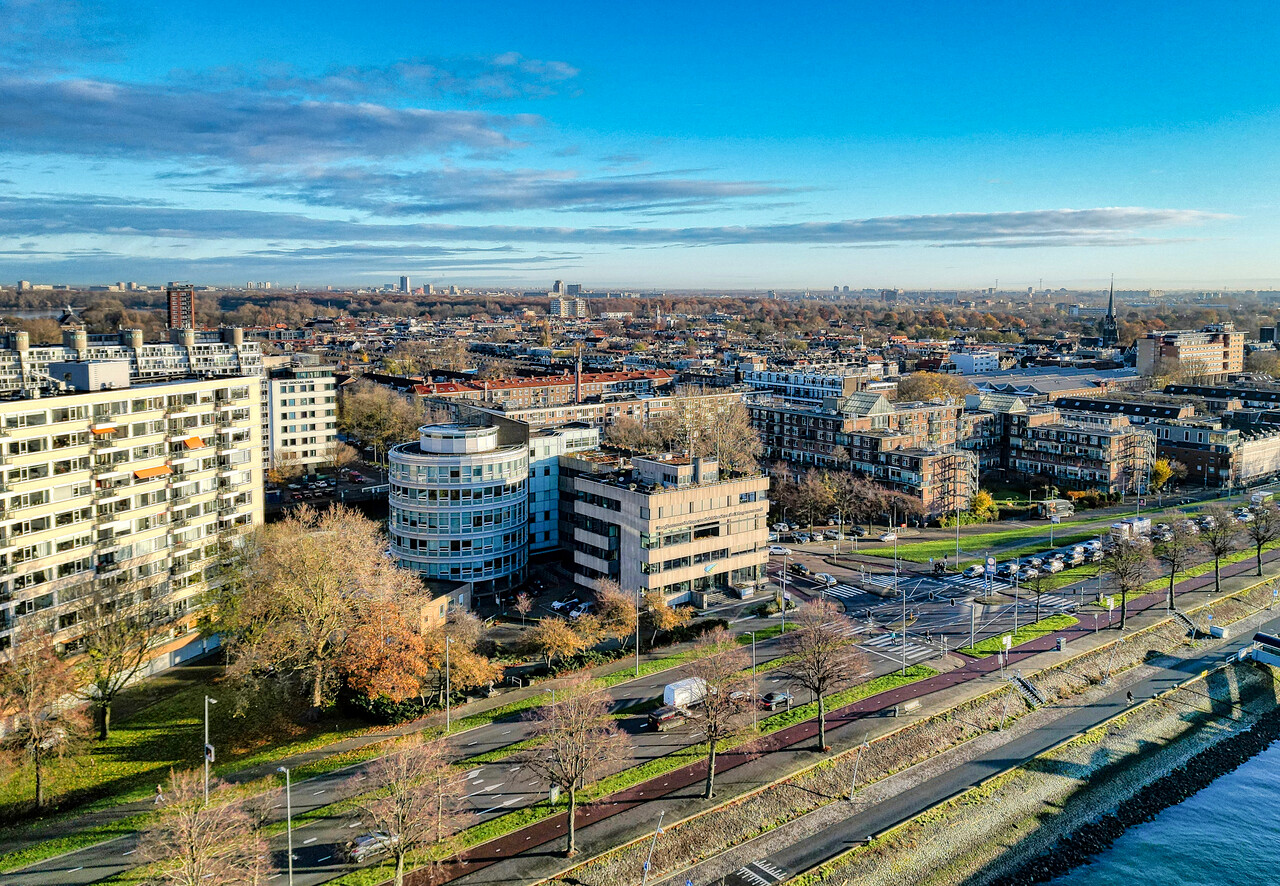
x=108 y=430
x=148 y=473
x=193 y=442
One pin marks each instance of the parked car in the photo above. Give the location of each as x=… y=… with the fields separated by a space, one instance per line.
x=1028 y=572
x=1054 y=566
x=857 y=532
x=1009 y=569
x=1035 y=562
x=803 y=538
x=583 y=609
x=889 y=536
x=367 y=846
x=773 y=536
x=778 y=551
x=825 y=579
x=818 y=536
x=974 y=571
x=781 y=527
x=564 y=604
x=775 y=700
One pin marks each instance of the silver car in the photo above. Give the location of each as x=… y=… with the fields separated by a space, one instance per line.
x=367 y=846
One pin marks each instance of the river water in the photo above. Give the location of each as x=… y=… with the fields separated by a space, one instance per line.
x=1227 y=834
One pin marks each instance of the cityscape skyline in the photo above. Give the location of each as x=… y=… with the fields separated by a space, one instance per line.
x=860 y=146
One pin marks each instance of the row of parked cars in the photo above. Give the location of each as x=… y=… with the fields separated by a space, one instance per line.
x=1047 y=563
x=573 y=607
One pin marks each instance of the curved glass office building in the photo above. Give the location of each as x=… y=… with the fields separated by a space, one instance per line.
x=459 y=506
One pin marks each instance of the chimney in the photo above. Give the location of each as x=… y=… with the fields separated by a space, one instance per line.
x=577 y=379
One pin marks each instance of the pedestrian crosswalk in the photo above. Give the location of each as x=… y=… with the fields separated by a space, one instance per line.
x=888 y=646
x=980 y=583
x=1058 y=603
x=844 y=592
x=759 y=873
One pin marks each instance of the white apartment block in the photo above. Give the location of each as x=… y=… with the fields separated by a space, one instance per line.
x=112 y=487
x=302 y=423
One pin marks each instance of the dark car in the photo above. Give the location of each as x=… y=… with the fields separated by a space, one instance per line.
x=775 y=700
x=799 y=569
x=665 y=718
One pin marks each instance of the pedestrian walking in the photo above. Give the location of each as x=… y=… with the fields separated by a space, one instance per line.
x=159 y=794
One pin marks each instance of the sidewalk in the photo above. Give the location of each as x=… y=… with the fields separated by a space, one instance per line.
x=21 y=837
x=530 y=853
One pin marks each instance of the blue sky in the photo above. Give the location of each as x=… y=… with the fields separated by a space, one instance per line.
x=932 y=144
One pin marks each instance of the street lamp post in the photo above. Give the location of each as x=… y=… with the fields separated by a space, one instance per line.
x=649 y=861
x=782 y=604
x=904 y=603
x=754 y=686
x=854 y=784
x=637 y=632
x=288 y=818
x=208 y=748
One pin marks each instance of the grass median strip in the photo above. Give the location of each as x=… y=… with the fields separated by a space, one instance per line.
x=1026 y=633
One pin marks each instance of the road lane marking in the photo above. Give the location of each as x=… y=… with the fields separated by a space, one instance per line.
x=309 y=840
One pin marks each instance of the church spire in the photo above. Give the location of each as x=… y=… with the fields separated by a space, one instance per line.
x=1109 y=328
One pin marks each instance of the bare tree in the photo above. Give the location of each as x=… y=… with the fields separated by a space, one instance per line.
x=1127 y=563
x=823 y=655
x=338 y=455
x=120 y=625
x=377 y=415
x=575 y=739
x=720 y=668
x=1176 y=549
x=1221 y=537
x=194 y=844
x=1039 y=584
x=413 y=799
x=524 y=605
x=1263 y=529
x=34 y=684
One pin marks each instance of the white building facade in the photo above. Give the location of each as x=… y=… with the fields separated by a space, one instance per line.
x=302 y=427
x=459 y=507
x=112 y=488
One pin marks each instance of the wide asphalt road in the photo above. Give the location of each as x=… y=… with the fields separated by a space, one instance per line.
x=813 y=849
x=492 y=789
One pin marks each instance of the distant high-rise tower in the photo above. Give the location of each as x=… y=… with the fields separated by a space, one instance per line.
x=1109 y=331
x=182 y=305
x=404 y=284
x=558 y=289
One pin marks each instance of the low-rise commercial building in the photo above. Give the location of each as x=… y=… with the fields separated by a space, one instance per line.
x=667 y=523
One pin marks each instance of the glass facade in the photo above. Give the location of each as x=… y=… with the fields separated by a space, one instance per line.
x=459 y=507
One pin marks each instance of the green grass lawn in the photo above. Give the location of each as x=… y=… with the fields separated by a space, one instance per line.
x=992 y=645
x=998 y=543
x=168 y=733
